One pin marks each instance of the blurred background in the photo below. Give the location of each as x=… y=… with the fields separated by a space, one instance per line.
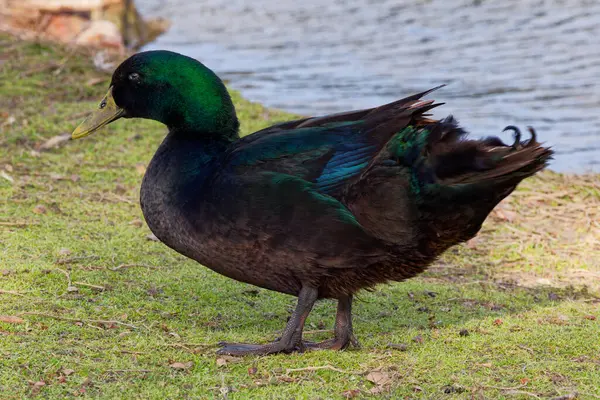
x=521 y=62
x=511 y=62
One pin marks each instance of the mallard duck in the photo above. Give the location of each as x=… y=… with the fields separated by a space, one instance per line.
x=319 y=207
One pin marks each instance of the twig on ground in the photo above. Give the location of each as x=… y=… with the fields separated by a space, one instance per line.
x=74 y=259
x=569 y=396
x=17 y=224
x=590 y=394
x=516 y=392
x=526 y=349
x=502 y=388
x=191 y=347
x=12 y=292
x=122 y=266
x=70 y=287
x=38 y=69
x=102 y=288
x=129 y=370
x=92 y=321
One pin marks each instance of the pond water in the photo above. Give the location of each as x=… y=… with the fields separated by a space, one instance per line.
x=511 y=62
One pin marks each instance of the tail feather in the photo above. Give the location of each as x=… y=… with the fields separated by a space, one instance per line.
x=489 y=161
x=456 y=181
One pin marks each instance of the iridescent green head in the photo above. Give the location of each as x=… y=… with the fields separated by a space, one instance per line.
x=170 y=88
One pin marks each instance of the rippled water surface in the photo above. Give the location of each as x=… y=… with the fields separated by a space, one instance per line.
x=506 y=62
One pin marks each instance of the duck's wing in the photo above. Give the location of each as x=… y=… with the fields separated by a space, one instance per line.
x=294 y=221
x=329 y=151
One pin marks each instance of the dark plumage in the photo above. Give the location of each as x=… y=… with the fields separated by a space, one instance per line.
x=318 y=207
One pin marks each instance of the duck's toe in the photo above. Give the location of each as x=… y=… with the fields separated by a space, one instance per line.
x=337 y=343
x=243 y=349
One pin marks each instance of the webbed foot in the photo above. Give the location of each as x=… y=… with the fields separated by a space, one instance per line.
x=244 y=349
x=337 y=343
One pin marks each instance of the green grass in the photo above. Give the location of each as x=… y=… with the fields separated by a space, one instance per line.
x=525 y=289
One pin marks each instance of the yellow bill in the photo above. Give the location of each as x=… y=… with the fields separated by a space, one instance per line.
x=106 y=113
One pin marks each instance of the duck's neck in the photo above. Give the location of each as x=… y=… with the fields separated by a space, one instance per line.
x=188 y=152
x=179 y=170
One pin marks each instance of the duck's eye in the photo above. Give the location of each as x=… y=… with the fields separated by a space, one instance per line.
x=134 y=76
x=103 y=104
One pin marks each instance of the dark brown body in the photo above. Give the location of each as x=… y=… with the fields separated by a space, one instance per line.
x=282 y=236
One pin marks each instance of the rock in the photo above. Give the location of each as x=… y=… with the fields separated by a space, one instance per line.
x=101 y=33
x=111 y=24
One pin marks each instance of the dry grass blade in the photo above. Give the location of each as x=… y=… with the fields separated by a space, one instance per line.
x=321 y=367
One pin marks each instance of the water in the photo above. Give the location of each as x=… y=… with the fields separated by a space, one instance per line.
x=519 y=62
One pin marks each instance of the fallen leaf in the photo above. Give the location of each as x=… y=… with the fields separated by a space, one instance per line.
x=9 y=121
x=8 y=167
x=379 y=378
x=485 y=365
x=350 y=394
x=40 y=209
x=497 y=322
x=120 y=188
x=418 y=339
x=55 y=141
x=472 y=243
x=590 y=317
x=221 y=362
x=72 y=289
x=7 y=176
x=181 y=366
x=36 y=387
x=11 y=319
x=399 y=346
x=464 y=332
x=152 y=237
x=64 y=252
x=252 y=371
x=524 y=381
x=377 y=390
x=140 y=168
x=506 y=215
x=75 y=178
x=67 y=372
x=137 y=223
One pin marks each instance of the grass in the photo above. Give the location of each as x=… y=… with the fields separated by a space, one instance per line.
x=91 y=307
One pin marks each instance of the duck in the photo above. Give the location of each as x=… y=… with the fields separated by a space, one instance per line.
x=318 y=207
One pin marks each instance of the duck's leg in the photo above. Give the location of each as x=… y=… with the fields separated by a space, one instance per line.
x=343 y=328
x=291 y=340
